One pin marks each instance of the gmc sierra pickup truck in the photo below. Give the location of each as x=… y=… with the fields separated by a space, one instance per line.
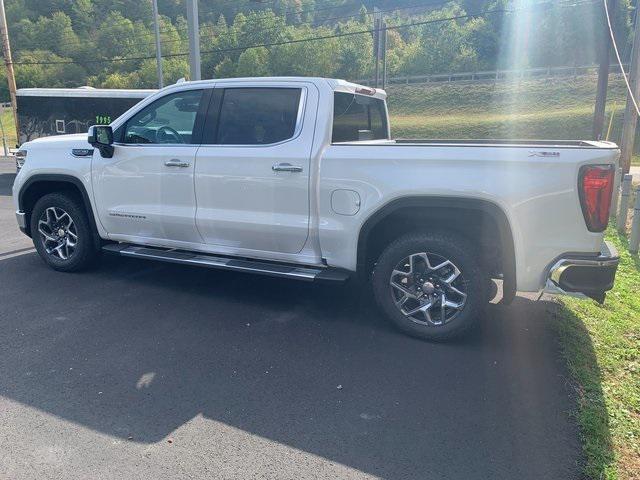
x=300 y=178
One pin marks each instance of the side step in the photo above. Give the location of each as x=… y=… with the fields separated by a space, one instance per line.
x=184 y=257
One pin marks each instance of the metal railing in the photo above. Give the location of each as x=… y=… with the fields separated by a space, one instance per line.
x=497 y=75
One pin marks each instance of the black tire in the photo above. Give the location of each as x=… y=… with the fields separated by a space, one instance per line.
x=84 y=252
x=441 y=245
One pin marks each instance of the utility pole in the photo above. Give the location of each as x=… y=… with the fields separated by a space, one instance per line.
x=194 y=39
x=377 y=24
x=156 y=28
x=384 y=54
x=11 y=79
x=630 y=113
x=603 y=76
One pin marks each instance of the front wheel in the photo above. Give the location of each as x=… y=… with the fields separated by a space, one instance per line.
x=430 y=285
x=61 y=233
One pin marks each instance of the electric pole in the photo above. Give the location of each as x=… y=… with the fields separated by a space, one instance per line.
x=384 y=54
x=630 y=113
x=194 y=39
x=11 y=79
x=377 y=24
x=156 y=28
x=603 y=76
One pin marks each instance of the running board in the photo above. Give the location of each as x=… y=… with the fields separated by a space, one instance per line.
x=308 y=274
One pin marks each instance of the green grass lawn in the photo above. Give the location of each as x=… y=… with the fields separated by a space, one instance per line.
x=560 y=108
x=9 y=126
x=601 y=345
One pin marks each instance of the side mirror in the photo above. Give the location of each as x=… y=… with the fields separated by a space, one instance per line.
x=101 y=137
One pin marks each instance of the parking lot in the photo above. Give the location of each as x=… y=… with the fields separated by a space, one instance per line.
x=143 y=370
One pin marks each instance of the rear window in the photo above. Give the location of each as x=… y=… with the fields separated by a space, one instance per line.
x=358 y=117
x=258 y=116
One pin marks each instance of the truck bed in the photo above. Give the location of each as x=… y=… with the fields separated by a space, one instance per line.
x=491 y=143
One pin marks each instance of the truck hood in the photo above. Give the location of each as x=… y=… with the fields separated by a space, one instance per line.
x=76 y=140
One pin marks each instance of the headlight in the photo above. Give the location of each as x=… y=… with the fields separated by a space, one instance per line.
x=21 y=156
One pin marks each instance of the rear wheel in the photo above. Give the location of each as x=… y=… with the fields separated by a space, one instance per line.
x=61 y=233
x=430 y=285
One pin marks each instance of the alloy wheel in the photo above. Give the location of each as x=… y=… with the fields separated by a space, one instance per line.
x=58 y=233
x=428 y=289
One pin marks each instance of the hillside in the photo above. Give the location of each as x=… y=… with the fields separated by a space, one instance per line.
x=558 y=108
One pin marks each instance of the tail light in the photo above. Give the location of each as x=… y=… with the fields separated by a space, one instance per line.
x=595 y=186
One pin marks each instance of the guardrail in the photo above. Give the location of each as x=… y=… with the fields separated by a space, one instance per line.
x=497 y=75
x=620 y=208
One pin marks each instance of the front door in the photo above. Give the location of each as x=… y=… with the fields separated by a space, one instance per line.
x=252 y=171
x=146 y=190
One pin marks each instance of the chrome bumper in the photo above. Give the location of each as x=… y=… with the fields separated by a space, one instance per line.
x=21 y=218
x=584 y=275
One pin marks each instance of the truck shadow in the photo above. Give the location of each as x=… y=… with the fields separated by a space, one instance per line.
x=6 y=182
x=580 y=349
x=136 y=350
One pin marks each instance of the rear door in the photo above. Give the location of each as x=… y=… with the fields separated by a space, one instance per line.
x=252 y=171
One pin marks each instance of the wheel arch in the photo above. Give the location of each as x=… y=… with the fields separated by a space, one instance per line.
x=39 y=185
x=467 y=216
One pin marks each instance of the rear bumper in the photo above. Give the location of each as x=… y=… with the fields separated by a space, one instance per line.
x=588 y=275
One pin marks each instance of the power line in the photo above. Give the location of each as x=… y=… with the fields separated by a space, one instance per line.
x=615 y=49
x=309 y=39
x=231 y=29
x=393 y=27
x=272 y=44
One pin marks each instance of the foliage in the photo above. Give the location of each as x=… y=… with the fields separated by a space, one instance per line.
x=76 y=42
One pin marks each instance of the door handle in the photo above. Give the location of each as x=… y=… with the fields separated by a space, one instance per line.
x=286 y=167
x=176 y=163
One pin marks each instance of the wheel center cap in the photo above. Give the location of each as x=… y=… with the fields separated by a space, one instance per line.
x=61 y=232
x=428 y=288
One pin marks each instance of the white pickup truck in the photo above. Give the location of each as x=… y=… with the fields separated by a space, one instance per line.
x=299 y=178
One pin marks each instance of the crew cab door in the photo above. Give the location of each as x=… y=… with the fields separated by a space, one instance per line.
x=146 y=191
x=252 y=171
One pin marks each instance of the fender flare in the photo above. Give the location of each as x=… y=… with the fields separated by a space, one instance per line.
x=58 y=178
x=426 y=201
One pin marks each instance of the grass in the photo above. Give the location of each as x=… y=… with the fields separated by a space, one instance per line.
x=601 y=345
x=560 y=108
x=9 y=126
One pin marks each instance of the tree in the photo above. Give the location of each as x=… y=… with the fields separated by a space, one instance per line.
x=254 y=63
x=225 y=69
x=95 y=38
x=354 y=53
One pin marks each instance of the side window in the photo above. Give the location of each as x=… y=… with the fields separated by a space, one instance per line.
x=358 y=117
x=169 y=119
x=258 y=116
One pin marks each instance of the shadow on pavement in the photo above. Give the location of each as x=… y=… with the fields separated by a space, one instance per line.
x=6 y=182
x=136 y=349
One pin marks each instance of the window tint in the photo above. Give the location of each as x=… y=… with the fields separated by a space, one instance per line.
x=357 y=117
x=258 y=116
x=169 y=119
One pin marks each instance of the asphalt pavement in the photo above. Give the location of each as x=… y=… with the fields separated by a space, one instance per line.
x=145 y=370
